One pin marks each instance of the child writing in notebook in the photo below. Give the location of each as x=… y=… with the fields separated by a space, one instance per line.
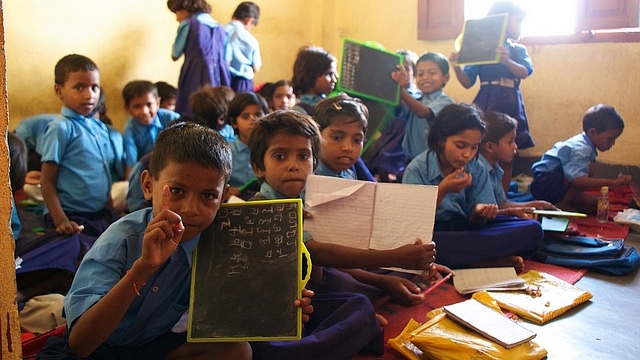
x=314 y=77
x=432 y=74
x=202 y=41
x=78 y=156
x=466 y=229
x=498 y=145
x=567 y=169
x=144 y=260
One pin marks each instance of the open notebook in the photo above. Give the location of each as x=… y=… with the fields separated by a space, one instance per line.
x=468 y=281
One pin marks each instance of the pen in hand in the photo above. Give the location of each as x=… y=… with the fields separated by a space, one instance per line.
x=438 y=283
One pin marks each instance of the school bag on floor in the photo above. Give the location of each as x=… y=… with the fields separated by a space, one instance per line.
x=610 y=256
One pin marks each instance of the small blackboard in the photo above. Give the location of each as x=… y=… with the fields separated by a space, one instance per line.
x=366 y=72
x=480 y=38
x=247 y=271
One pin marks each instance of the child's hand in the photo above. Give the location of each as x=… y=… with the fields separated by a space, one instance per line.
x=69 y=228
x=305 y=304
x=402 y=291
x=504 y=54
x=486 y=211
x=401 y=76
x=436 y=273
x=543 y=205
x=522 y=212
x=33 y=177
x=417 y=256
x=453 y=58
x=622 y=180
x=456 y=181
x=162 y=236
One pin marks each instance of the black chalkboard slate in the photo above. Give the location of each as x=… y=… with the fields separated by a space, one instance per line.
x=366 y=72
x=481 y=37
x=247 y=271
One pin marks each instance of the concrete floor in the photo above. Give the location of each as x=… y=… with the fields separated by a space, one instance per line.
x=606 y=327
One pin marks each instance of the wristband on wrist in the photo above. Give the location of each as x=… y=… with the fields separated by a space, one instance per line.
x=136 y=284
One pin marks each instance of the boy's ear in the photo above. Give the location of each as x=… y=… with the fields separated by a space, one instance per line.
x=58 y=90
x=446 y=78
x=258 y=172
x=146 y=181
x=592 y=132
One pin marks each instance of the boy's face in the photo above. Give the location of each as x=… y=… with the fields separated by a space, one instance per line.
x=287 y=163
x=169 y=104
x=144 y=108
x=514 y=27
x=505 y=149
x=406 y=64
x=246 y=121
x=195 y=193
x=343 y=141
x=282 y=98
x=326 y=82
x=604 y=140
x=80 y=91
x=429 y=77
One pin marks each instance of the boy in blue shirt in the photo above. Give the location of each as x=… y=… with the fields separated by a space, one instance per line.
x=243 y=50
x=141 y=101
x=78 y=156
x=567 y=169
x=432 y=74
x=133 y=286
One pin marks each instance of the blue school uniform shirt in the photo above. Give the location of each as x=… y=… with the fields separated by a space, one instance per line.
x=310 y=100
x=323 y=169
x=495 y=173
x=139 y=139
x=574 y=155
x=163 y=299
x=415 y=136
x=82 y=148
x=16 y=225
x=489 y=72
x=242 y=51
x=180 y=43
x=31 y=129
x=228 y=133
x=424 y=169
x=241 y=170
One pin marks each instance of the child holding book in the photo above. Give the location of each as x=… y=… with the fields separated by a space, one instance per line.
x=144 y=260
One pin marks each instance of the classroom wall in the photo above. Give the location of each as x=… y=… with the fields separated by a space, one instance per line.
x=136 y=43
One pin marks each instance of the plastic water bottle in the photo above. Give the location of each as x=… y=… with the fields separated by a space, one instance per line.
x=603 y=205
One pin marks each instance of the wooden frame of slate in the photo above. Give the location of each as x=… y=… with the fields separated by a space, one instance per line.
x=366 y=72
x=247 y=271
x=480 y=38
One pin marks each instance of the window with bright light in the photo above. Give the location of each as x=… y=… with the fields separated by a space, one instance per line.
x=540 y=20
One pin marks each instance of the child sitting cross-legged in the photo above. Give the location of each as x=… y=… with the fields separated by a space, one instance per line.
x=133 y=286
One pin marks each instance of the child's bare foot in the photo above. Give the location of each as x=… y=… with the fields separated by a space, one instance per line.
x=507 y=261
x=382 y=320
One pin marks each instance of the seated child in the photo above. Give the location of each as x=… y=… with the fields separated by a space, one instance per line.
x=432 y=74
x=284 y=148
x=342 y=121
x=30 y=130
x=147 y=120
x=78 y=156
x=567 y=169
x=144 y=260
x=168 y=94
x=499 y=146
x=209 y=106
x=244 y=112
x=279 y=95
x=466 y=229
x=314 y=77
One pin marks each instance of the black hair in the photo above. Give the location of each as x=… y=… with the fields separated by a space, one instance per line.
x=72 y=63
x=208 y=105
x=436 y=58
x=311 y=62
x=240 y=102
x=497 y=126
x=453 y=119
x=138 y=88
x=166 y=91
x=192 y=6
x=246 y=10
x=187 y=142
x=18 y=161
x=506 y=7
x=286 y=121
x=602 y=118
x=342 y=104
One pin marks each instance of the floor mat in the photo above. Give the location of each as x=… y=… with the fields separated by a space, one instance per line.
x=398 y=316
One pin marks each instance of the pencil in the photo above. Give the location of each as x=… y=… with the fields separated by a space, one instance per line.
x=438 y=283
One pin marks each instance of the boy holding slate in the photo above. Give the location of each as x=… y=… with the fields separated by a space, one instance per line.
x=432 y=74
x=133 y=286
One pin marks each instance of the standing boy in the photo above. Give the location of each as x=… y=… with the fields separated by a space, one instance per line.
x=78 y=157
x=432 y=74
x=243 y=49
x=141 y=101
x=133 y=286
x=567 y=169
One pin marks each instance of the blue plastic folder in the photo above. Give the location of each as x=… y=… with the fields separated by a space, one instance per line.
x=249 y=267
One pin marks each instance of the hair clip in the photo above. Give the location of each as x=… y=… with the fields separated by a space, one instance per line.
x=337 y=106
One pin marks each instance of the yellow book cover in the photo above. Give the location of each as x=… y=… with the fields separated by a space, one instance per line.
x=545 y=298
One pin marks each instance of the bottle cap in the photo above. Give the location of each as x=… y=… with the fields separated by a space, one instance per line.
x=604 y=189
